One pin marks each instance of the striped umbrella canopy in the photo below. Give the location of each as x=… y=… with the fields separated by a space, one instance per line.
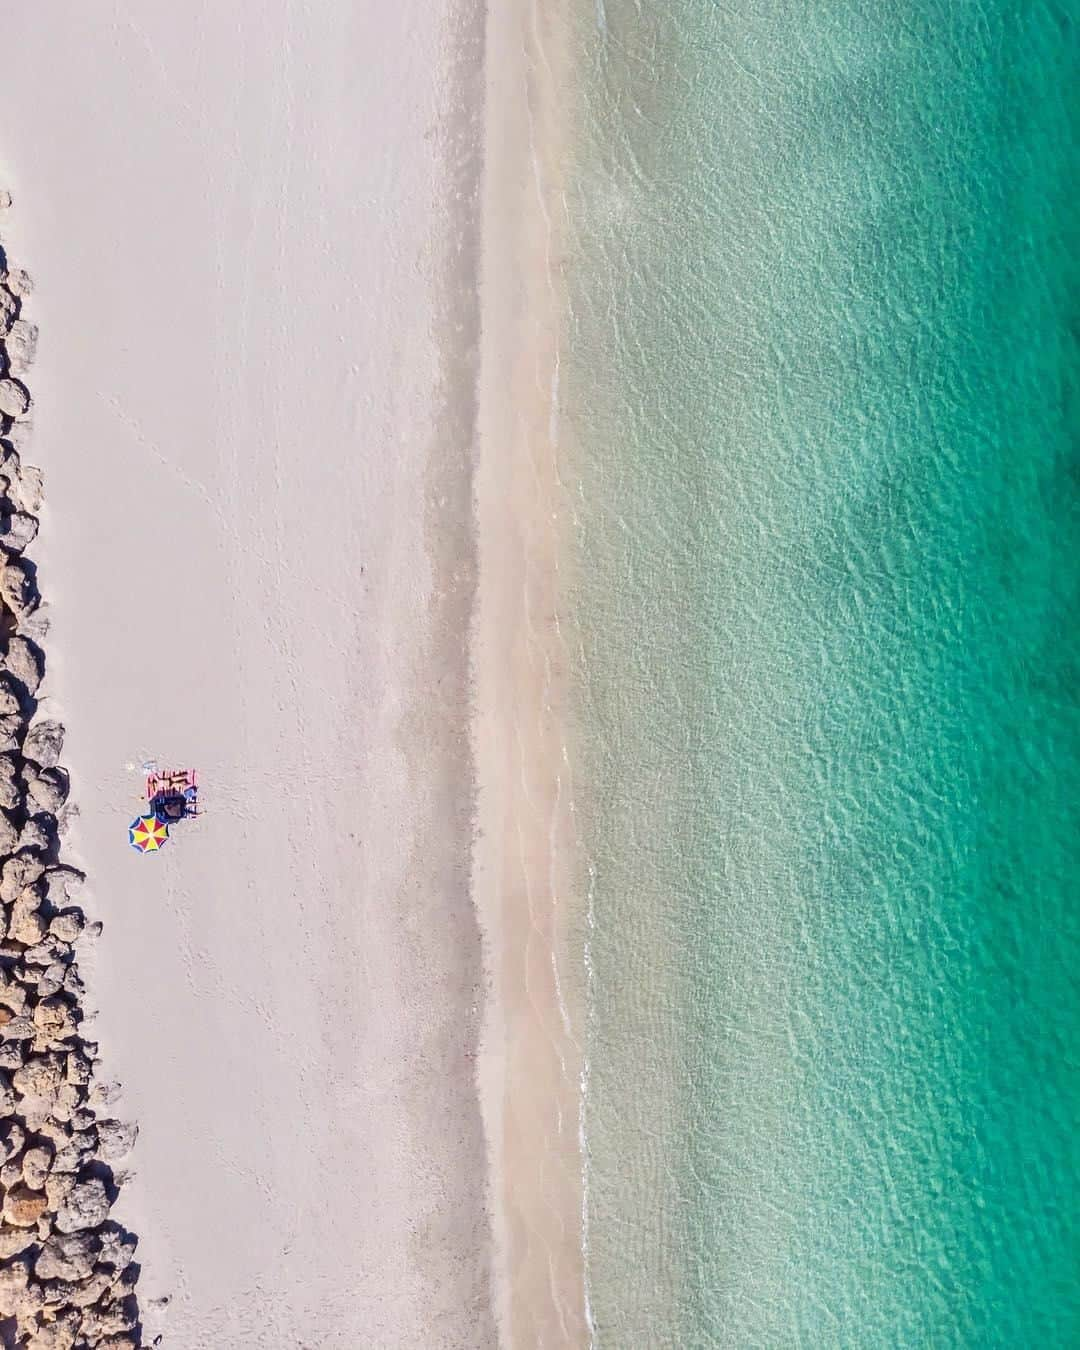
x=146 y=834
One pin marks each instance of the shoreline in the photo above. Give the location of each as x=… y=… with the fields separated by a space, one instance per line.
x=527 y=865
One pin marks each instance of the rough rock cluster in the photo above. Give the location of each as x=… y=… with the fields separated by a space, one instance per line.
x=67 y=1271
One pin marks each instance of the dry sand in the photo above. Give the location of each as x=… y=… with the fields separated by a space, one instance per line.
x=253 y=235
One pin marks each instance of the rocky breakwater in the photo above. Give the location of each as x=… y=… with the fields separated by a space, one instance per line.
x=67 y=1272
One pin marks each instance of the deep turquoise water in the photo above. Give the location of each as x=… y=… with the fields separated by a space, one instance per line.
x=820 y=385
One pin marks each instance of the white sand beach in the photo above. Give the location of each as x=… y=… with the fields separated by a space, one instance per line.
x=254 y=247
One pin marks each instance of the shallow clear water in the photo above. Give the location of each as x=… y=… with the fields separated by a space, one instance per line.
x=821 y=384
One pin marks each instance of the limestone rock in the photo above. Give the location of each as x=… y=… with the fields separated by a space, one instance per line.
x=19 y=282
x=14 y=1286
x=60 y=883
x=69 y=925
x=9 y=308
x=46 y=952
x=61 y=1334
x=48 y=790
x=27 y=925
x=91 y=1290
x=85 y=1207
x=18 y=530
x=10 y=797
x=21 y=344
x=111 y=1318
x=115 y=1139
x=9 y=835
x=73 y=982
x=14 y=400
x=54 y=1017
x=37 y=1112
x=12 y=1138
x=56 y=1133
x=68 y=1256
x=54 y=1294
x=24 y=660
x=73 y=1295
x=58 y=1186
x=39 y=833
x=23 y=1207
x=22 y=869
x=13 y=1241
x=18 y=588
x=12 y=993
x=44 y=743
x=82 y=1120
x=10 y=731
x=51 y=980
x=28 y=489
x=10 y=701
x=76 y=1149
x=31 y=895
x=104 y=1092
x=78 y=1068
x=36 y=1162
x=66 y=1102
x=11 y=1055
x=40 y=1077
x=117 y=1247
x=41 y=1094
x=34 y=620
x=19 y=1028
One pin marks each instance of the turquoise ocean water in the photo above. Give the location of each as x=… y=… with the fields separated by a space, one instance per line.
x=821 y=385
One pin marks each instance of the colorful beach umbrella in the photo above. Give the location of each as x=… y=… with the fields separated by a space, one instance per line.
x=147 y=834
